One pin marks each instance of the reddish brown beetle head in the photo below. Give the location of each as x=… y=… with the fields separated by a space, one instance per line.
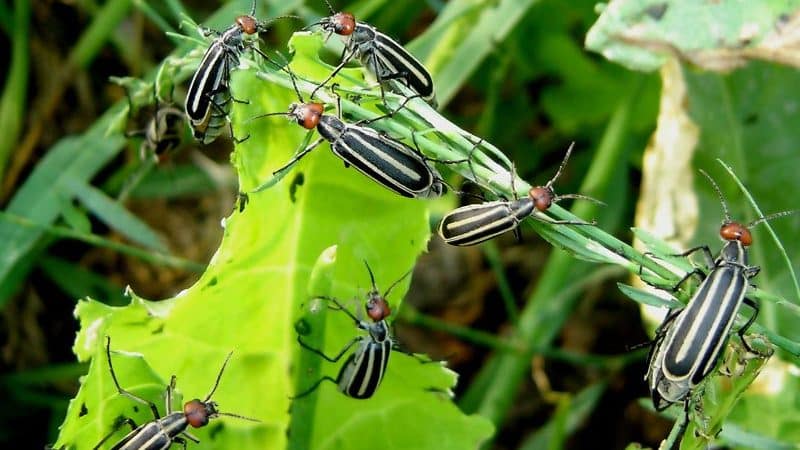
x=248 y=24
x=733 y=231
x=198 y=413
x=307 y=115
x=542 y=197
x=377 y=307
x=343 y=23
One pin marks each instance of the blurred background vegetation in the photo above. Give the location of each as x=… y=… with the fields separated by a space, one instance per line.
x=522 y=81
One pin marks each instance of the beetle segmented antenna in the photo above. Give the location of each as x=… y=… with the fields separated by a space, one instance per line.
x=771 y=216
x=219 y=376
x=296 y=91
x=371 y=276
x=719 y=194
x=549 y=184
x=238 y=416
x=330 y=8
x=544 y=196
x=389 y=289
x=253 y=9
x=214 y=389
x=323 y=20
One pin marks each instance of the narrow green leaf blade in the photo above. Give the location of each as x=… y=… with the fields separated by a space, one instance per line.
x=114 y=214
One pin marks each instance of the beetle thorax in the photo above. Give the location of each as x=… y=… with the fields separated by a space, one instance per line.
x=379 y=331
x=734 y=252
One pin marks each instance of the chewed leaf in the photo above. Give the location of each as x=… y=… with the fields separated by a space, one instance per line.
x=259 y=283
x=98 y=407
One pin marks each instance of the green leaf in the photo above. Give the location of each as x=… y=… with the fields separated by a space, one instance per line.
x=259 y=283
x=39 y=201
x=641 y=34
x=113 y=214
x=454 y=52
x=77 y=157
x=573 y=415
x=174 y=181
x=98 y=405
x=78 y=282
x=649 y=298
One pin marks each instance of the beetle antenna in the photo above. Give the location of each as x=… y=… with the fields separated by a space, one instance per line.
x=386 y=294
x=719 y=194
x=561 y=167
x=219 y=376
x=771 y=216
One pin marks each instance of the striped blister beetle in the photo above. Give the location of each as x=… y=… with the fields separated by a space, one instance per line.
x=473 y=224
x=381 y=55
x=162 y=432
x=363 y=371
x=161 y=135
x=387 y=161
x=208 y=101
x=689 y=342
x=163 y=132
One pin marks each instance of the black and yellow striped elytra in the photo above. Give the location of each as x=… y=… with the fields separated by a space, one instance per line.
x=473 y=224
x=163 y=133
x=161 y=432
x=381 y=55
x=692 y=339
x=387 y=161
x=363 y=371
x=208 y=101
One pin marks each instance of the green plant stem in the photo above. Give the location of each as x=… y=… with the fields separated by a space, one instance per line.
x=452 y=143
x=94 y=37
x=82 y=54
x=543 y=317
x=13 y=105
x=154 y=16
x=409 y=314
x=474 y=40
x=496 y=263
x=177 y=9
x=148 y=256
